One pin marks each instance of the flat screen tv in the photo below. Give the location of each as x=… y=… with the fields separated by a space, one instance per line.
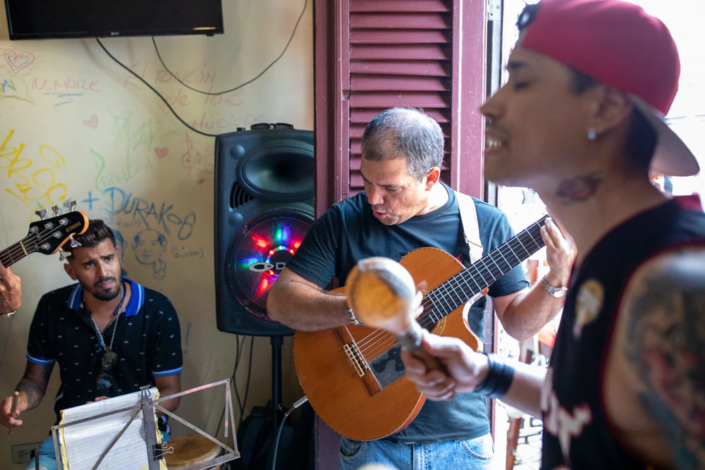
x=45 y=19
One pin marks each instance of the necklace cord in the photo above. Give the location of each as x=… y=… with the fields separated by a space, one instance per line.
x=123 y=289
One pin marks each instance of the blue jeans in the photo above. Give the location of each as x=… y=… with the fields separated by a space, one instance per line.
x=473 y=454
x=47 y=457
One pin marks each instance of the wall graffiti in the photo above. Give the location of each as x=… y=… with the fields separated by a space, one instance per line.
x=149 y=246
x=135 y=146
x=153 y=215
x=33 y=181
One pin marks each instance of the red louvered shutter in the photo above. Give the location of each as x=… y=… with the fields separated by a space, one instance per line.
x=376 y=54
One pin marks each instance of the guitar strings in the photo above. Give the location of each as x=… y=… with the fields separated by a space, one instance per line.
x=381 y=339
x=16 y=249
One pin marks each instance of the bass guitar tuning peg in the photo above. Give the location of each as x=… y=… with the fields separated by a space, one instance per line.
x=55 y=209
x=70 y=205
x=74 y=243
x=41 y=213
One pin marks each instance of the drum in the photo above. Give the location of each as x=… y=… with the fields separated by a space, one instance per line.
x=191 y=450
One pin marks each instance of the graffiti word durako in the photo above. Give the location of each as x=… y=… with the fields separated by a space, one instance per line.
x=152 y=215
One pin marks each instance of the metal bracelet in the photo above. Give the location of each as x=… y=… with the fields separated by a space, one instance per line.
x=351 y=315
x=553 y=291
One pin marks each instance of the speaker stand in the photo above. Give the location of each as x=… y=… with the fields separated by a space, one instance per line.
x=276 y=410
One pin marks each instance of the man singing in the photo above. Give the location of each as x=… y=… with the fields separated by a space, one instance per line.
x=581 y=122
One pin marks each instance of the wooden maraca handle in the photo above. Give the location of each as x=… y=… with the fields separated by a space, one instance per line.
x=412 y=340
x=429 y=361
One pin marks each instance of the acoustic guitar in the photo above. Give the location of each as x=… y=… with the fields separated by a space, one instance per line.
x=353 y=375
x=46 y=236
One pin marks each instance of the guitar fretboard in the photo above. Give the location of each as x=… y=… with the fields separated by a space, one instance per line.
x=13 y=254
x=466 y=284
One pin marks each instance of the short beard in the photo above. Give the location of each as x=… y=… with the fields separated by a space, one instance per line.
x=108 y=296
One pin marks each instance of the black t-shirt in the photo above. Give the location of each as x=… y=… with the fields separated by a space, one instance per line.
x=577 y=433
x=349 y=232
x=147 y=342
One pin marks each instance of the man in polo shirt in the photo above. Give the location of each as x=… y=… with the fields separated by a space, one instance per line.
x=108 y=334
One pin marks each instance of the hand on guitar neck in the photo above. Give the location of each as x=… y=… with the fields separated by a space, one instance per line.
x=10 y=291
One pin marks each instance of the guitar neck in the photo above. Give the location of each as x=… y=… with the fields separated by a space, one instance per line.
x=13 y=254
x=472 y=281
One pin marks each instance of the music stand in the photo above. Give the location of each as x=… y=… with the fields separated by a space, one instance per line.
x=155 y=451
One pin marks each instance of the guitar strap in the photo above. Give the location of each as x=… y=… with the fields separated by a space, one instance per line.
x=471 y=227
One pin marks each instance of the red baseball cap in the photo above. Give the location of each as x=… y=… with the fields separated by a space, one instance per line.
x=616 y=43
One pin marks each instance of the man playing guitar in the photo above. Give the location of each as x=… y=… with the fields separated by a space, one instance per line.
x=405 y=207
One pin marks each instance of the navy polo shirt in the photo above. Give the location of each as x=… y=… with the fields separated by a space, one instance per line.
x=147 y=342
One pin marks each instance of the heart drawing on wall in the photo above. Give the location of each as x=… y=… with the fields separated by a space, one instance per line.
x=92 y=122
x=18 y=61
x=161 y=152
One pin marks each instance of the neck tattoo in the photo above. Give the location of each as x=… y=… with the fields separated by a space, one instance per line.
x=579 y=188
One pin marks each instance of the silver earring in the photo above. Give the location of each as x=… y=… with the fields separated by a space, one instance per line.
x=592 y=134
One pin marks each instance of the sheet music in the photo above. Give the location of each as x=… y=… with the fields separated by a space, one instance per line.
x=83 y=444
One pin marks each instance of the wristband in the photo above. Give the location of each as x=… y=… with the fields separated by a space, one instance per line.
x=8 y=314
x=499 y=378
x=351 y=315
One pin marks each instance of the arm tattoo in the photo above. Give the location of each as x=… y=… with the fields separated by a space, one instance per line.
x=666 y=348
x=34 y=392
x=34 y=383
x=579 y=188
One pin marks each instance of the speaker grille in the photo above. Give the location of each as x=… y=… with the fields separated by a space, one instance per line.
x=259 y=251
x=239 y=196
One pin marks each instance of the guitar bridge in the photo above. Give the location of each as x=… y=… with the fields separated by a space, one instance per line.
x=355 y=359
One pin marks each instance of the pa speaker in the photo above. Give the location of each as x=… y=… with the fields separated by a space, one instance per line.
x=263 y=208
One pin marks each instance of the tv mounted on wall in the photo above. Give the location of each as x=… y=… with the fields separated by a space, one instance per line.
x=46 y=19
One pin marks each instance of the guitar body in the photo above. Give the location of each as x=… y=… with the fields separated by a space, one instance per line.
x=348 y=400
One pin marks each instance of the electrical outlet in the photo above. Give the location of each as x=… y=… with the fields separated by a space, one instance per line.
x=22 y=453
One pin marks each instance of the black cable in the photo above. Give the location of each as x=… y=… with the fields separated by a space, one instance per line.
x=238 y=352
x=243 y=84
x=155 y=91
x=247 y=385
x=296 y=404
x=239 y=347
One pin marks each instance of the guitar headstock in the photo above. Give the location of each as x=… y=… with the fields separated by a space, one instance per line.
x=48 y=235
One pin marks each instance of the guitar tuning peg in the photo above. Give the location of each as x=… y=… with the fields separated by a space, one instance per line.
x=70 y=205
x=55 y=209
x=74 y=243
x=41 y=213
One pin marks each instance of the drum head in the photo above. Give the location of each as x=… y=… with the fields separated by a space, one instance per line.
x=190 y=450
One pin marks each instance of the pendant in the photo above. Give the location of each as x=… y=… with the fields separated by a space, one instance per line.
x=109 y=359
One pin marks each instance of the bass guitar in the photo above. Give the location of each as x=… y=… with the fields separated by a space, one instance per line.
x=46 y=236
x=353 y=375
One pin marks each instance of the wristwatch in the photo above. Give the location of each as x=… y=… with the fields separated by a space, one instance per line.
x=553 y=291
x=8 y=314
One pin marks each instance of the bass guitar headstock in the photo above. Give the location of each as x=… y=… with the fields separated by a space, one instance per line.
x=47 y=236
